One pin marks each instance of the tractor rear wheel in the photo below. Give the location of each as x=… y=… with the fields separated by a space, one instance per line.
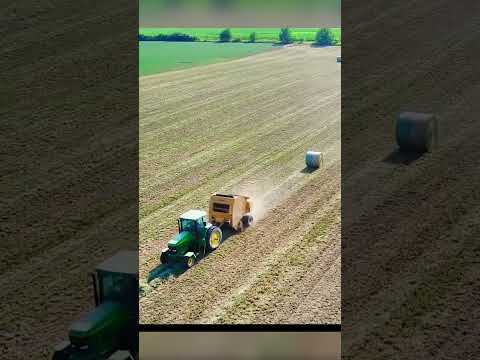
x=214 y=238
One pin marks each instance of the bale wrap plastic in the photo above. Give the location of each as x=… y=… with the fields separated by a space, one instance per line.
x=314 y=159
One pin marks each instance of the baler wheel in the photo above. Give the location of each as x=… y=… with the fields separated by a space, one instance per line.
x=247 y=220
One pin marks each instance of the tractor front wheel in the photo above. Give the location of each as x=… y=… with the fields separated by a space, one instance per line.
x=214 y=238
x=190 y=261
x=163 y=256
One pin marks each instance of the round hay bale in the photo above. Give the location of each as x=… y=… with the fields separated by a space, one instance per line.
x=416 y=132
x=314 y=159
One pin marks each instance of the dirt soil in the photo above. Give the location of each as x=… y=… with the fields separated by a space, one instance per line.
x=68 y=149
x=244 y=127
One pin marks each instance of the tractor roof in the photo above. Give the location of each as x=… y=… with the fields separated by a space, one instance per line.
x=193 y=214
x=93 y=321
x=123 y=262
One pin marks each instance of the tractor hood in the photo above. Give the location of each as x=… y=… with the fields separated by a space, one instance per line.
x=108 y=318
x=180 y=240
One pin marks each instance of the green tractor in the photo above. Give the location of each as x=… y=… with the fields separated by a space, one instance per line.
x=110 y=331
x=195 y=238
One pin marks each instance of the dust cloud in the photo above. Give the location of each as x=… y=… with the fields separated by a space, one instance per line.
x=266 y=194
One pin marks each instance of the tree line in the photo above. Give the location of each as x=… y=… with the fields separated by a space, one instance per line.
x=324 y=37
x=169 y=37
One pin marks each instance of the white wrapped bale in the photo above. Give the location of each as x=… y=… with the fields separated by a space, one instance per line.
x=416 y=132
x=314 y=159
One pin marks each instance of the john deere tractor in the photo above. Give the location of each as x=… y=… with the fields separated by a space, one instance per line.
x=195 y=238
x=110 y=331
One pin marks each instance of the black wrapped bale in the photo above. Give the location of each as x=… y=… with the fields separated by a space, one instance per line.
x=416 y=132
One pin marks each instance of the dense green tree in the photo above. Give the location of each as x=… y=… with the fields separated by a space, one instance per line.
x=225 y=35
x=285 y=36
x=324 y=37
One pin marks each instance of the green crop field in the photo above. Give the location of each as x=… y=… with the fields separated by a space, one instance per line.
x=263 y=34
x=159 y=56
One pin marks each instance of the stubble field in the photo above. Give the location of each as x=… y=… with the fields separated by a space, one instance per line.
x=244 y=127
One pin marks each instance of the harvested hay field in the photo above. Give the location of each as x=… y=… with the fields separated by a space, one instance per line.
x=410 y=233
x=244 y=127
x=68 y=149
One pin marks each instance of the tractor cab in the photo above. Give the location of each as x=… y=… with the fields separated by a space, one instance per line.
x=110 y=329
x=194 y=222
x=116 y=279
